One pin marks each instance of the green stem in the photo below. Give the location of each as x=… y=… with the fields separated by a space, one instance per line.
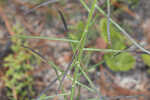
x=80 y=48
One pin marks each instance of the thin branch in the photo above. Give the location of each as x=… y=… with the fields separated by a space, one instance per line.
x=108 y=22
x=43 y=58
x=63 y=20
x=68 y=67
x=124 y=32
x=6 y=20
x=46 y=89
x=46 y=61
x=41 y=5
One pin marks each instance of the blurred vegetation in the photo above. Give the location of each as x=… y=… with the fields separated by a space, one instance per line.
x=133 y=2
x=18 y=81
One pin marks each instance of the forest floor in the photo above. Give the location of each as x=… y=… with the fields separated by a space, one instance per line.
x=135 y=82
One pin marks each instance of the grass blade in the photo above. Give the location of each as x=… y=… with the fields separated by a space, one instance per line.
x=46 y=38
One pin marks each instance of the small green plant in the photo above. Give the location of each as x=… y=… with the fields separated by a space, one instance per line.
x=18 y=82
x=123 y=61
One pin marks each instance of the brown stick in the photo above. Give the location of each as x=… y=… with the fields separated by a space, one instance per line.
x=6 y=21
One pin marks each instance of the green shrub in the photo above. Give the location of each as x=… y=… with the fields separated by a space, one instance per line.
x=18 y=82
